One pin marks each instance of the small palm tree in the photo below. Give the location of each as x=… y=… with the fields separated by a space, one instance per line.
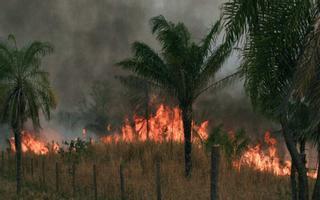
x=182 y=68
x=27 y=89
x=233 y=144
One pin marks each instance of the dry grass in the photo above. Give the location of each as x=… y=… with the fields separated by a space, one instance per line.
x=139 y=162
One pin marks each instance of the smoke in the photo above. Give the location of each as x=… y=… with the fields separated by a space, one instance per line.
x=90 y=36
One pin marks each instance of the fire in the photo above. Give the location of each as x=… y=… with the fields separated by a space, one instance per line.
x=266 y=160
x=165 y=125
x=31 y=144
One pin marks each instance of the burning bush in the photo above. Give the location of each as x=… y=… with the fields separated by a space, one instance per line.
x=76 y=149
x=165 y=125
x=34 y=145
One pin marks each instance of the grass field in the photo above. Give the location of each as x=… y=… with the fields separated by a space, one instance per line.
x=139 y=175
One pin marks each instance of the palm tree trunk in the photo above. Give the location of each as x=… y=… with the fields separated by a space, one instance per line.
x=303 y=154
x=303 y=151
x=17 y=139
x=316 y=189
x=293 y=180
x=147 y=113
x=296 y=162
x=187 y=123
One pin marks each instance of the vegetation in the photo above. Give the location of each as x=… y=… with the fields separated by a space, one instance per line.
x=233 y=144
x=75 y=150
x=95 y=109
x=139 y=176
x=27 y=89
x=275 y=35
x=182 y=68
x=138 y=94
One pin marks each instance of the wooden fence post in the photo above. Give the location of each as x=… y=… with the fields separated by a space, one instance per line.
x=9 y=161
x=122 y=187
x=43 y=172
x=31 y=167
x=36 y=162
x=2 y=163
x=57 y=176
x=23 y=166
x=158 y=179
x=74 y=179
x=215 y=158
x=95 y=182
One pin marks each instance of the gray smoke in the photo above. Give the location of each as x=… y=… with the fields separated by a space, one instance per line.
x=89 y=36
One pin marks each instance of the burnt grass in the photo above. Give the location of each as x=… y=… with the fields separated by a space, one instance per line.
x=138 y=160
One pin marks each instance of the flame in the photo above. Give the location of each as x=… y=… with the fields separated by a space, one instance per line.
x=30 y=143
x=165 y=125
x=266 y=160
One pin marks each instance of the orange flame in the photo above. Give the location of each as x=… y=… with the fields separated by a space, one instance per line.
x=266 y=160
x=165 y=125
x=30 y=144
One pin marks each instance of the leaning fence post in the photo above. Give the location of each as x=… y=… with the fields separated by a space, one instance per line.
x=74 y=179
x=57 y=176
x=122 y=188
x=95 y=182
x=158 y=179
x=215 y=158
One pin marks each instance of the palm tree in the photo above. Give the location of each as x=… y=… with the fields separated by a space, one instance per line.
x=28 y=90
x=274 y=34
x=307 y=86
x=182 y=68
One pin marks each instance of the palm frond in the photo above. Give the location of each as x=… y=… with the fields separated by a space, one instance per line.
x=183 y=67
x=33 y=52
x=28 y=90
x=226 y=81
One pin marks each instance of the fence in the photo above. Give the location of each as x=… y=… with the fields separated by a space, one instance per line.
x=67 y=177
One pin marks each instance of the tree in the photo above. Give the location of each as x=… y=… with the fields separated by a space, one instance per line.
x=182 y=68
x=28 y=91
x=139 y=95
x=95 y=109
x=232 y=144
x=307 y=87
x=299 y=118
x=274 y=34
x=2 y=92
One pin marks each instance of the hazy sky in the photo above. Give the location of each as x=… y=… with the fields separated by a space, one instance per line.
x=89 y=36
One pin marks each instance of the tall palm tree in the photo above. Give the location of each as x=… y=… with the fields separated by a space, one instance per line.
x=307 y=85
x=183 y=67
x=273 y=34
x=28 y=90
